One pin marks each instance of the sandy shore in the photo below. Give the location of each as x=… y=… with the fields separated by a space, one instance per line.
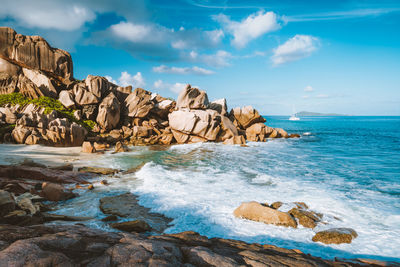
x=51 y=156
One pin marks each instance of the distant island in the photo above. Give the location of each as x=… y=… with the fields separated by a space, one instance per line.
x=308 y=113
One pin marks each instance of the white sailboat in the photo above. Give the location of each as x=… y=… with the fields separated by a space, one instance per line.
x=294 y=117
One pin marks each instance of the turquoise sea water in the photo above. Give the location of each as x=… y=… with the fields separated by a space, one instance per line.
x=347 y=168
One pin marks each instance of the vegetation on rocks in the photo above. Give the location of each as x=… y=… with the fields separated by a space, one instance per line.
x=48 y=104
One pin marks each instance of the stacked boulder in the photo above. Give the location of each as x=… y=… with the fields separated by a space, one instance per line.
x=34 y=127
x=30 y=66
x=196 y=120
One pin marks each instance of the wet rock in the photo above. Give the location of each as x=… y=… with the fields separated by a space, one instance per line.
x=31 y=163
x=13 y=172
x=88 y=147
x=276 y=205
x=235 y=140
x=120 y=147
x=27 y=205
x=138 y=226
x=109 y=218
x=335 y=236
x=56 y=192
x=64 y=167
x=282 y=133
x=192 y=98
x=126 y=205
x=307 y=219
x=100 y=146
x=75 y=245
x=246 y=116
x=260 y=213
x=294 y=136
x=98 y=170
x=7 y=203
x=109 y=112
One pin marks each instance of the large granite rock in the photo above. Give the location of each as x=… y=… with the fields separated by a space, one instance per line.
x=42 y=84
x=220 y=106
x=261 y=213
x=8 y=76
x=76 y=245
x=246 y=116
x=139 y=103
x=256 y=132
x=192 y=98
x=109 y=112
x=201 y=123
x=66 y=98
x=36 y=128
x=35 y=53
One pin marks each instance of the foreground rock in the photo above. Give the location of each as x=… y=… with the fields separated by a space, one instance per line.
x=127 y=206
x=138 y=226
x=74 y=245
x=335 y=236
x=261 y=213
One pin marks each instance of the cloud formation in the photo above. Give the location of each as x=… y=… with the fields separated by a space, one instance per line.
x=126 y=79
x=297 y=47
x=175 y=88
x=308 y=88
x=185 y=70
x=220 y=59
x=250 y=28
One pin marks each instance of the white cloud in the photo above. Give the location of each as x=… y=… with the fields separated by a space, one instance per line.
x=126 y=79
x=110 y=79
x=219 y=59
x=186 y=70
x=59 y=15
x=176 y=87
x=297 y=47
x=140 y=33
x=250 y=28
x=308 y=88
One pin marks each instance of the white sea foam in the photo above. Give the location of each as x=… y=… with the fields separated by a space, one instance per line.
x=200 y=185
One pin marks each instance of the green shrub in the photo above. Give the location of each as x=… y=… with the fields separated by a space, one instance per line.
x=49 y=104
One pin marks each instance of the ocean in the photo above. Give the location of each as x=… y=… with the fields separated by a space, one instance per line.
x=347 y=168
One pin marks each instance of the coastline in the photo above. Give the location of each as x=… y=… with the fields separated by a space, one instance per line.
x=62 y=156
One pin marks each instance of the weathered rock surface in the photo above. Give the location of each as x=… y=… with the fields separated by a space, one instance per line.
x=97 y=110
x=109 y=112
x=120 y=147
x=201 y=123
x=7 y=203
x=138 y=226
x=192 y=98
x=335 y=236
x=56 y=192
x=260 y=213
x=34 y=52
x=246 y=116
x=126 y=205
x=138 y=103
x=88 y=147
x=75 y=245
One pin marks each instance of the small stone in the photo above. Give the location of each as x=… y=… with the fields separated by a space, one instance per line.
x=104 y=182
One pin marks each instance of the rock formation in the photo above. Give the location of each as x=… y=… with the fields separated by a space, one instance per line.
x=97 y=110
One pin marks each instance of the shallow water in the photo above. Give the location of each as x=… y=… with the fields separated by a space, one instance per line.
x=347 y=168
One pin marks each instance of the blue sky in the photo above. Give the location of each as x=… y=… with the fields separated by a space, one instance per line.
x=326 y=56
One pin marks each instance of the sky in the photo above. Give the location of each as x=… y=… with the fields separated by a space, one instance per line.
x=339 y=56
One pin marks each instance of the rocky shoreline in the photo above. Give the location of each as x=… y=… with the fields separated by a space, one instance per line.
x=27 y=206
x=42 y=103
